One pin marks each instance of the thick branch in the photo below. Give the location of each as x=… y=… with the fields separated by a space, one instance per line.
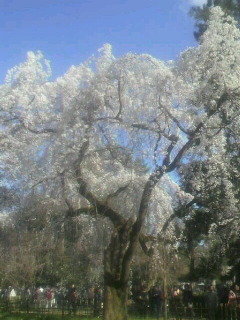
x=170 y=148
x=143 y=239
x=173 y=216
x=182 y=151
x=134 y=236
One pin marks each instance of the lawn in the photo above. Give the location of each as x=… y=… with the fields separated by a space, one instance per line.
x=23 y=316
x=5 y=316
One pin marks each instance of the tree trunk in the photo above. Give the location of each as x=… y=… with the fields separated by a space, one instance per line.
x=165 y=282
x=165 y=295
x=115 y=303
x=116 y=274
x=192 y=272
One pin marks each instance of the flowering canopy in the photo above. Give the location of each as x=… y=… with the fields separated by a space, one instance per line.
x=118 y=125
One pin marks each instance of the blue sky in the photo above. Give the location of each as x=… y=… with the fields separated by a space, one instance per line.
x=69 y=31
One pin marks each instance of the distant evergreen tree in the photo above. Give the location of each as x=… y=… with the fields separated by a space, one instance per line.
x=201 y=13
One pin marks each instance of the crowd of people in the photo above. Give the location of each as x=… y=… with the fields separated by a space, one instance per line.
x=214 y=299
x=145 y=300
x=186 y=299
x=54 y=297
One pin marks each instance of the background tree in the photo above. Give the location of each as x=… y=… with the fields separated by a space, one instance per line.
x=201 y=14
x=59 y=250
x=207 y=225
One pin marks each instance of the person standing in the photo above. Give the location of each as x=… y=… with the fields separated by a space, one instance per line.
x=234 y=301
x=234 y=296
x=187 y=299
x=97 y=301
x=155 y=299
x=72 y=300
x=223 y=294
x=211 y=303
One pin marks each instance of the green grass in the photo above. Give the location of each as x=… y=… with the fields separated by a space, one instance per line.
x=21 y=316
x=30 y=316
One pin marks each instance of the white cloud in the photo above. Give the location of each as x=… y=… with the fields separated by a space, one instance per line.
x=197 y=2
x=185 y=5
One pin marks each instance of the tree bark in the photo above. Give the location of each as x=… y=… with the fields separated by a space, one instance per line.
x=192 y=263
x=115 y=302
x=116 y=274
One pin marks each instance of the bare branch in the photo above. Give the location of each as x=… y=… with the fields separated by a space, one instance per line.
x=46 y=179
x=194 y=135
x=117 y=192
x=156 y=147
x=186 y=131
x=143 y=126
x=40 y=131
x=117 y=120
x=120 y=100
